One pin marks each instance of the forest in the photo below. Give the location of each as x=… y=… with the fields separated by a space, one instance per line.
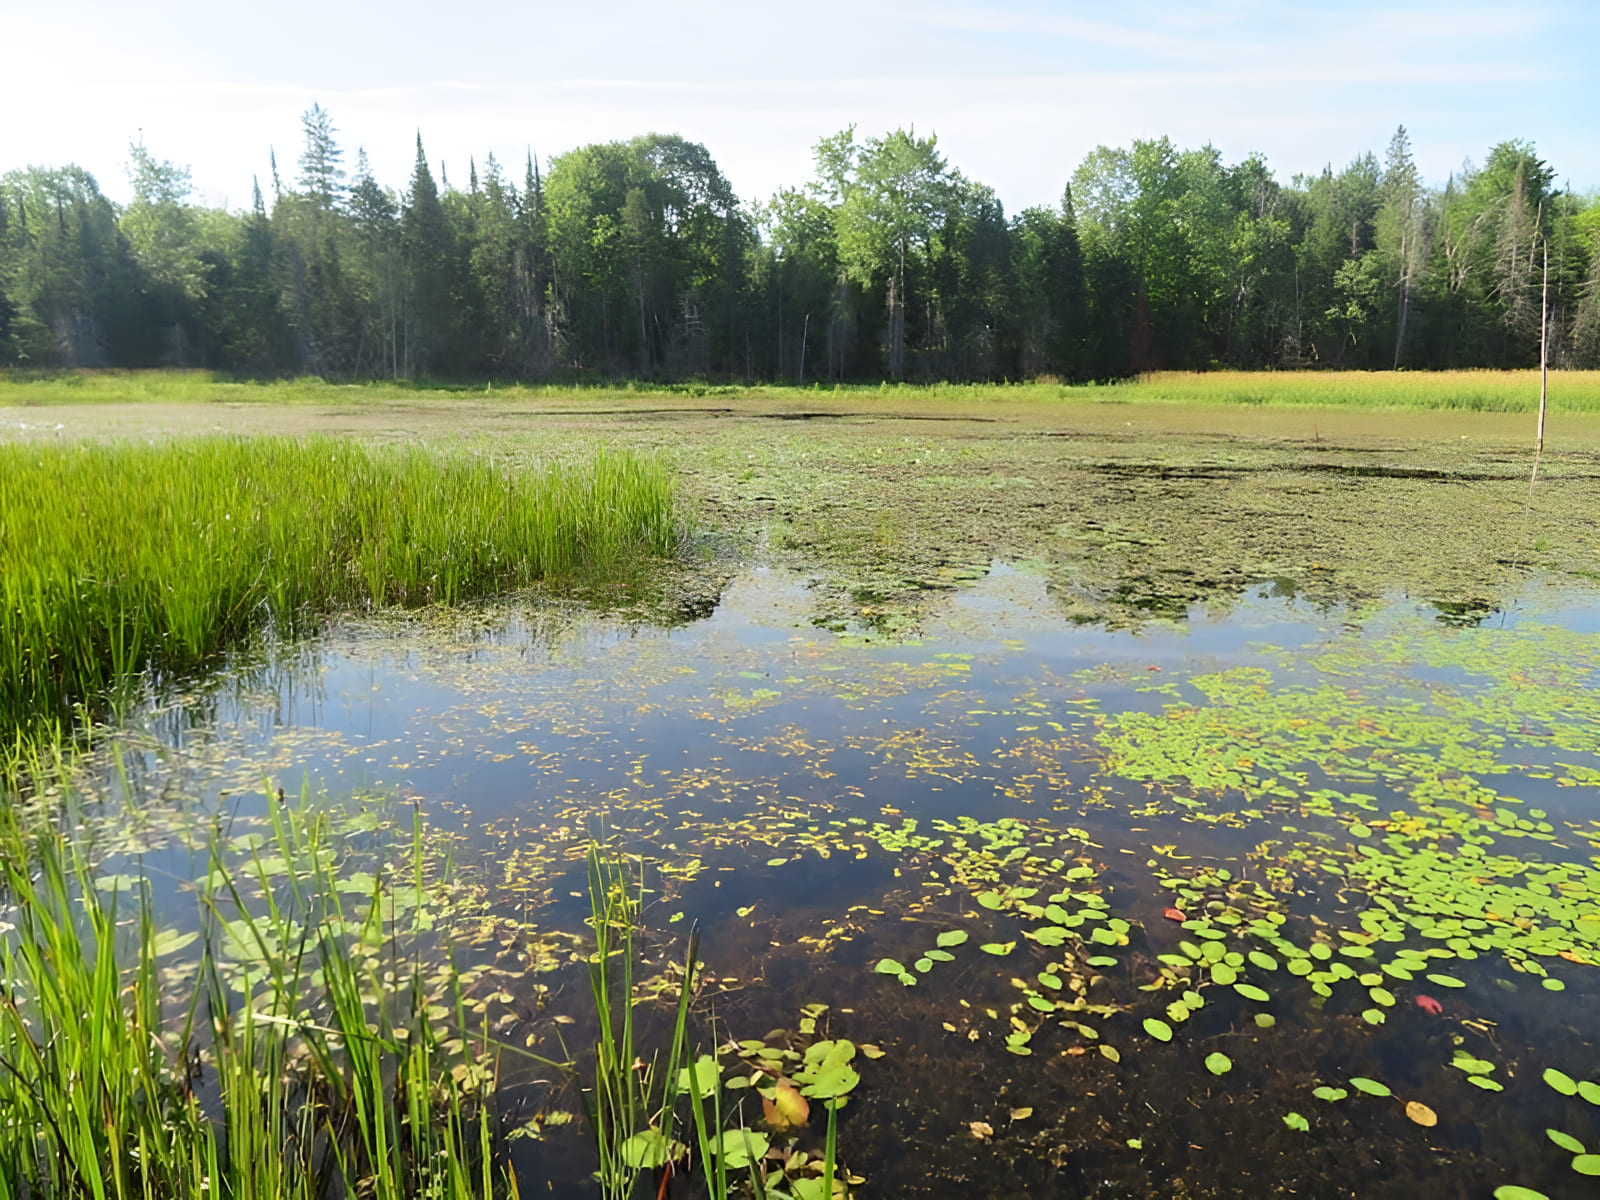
x=636 y=259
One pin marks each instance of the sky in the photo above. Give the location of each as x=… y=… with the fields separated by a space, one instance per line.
x=1017 y=92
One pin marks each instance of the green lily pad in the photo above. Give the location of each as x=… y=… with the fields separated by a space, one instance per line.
x=924 y=965
x=1487 y=1084
x=1512 y=1191
x=1160 y=1030
x=1295 y=1121
x=1265 y=1020
x=1263 y=960
x=888 y=966
x=1251 y=992
x=1589 y=1091
x=1566 y=1141
x=1331 y=1094
x=1552 y=985
x=952 y=937
x=1587 y=1164
x=1561 y=1081
x=1445 y=981
x=998 y=948
x=1370 y=1086
x=1218 y=1064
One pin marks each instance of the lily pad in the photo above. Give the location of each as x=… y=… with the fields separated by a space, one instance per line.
x=1218 y=1063
x=1370 y=1086
x=951 y=937
x=1445 y=981
x=998 y=948
x=888 y=966
x=1566 y=1141
x=1158 y=1029
x=1561 y=1081
x=1295 y=1121
x=1587 y=1164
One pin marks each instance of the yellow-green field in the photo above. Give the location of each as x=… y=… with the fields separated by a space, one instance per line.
x=1479 y=391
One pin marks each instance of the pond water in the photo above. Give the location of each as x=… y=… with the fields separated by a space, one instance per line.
x=1186 y=875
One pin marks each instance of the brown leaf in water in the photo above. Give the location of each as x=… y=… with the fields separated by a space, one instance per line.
x=787 y=1109
x=1422 y=1114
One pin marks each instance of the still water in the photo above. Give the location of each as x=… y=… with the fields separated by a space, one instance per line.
x=1121 y=912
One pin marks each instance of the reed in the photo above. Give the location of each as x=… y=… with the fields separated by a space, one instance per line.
x=122 y=559
x=324 y=1073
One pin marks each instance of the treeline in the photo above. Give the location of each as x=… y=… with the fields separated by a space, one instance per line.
x=637 y=259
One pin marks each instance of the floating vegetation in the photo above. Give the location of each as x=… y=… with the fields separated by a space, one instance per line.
x=992 y=879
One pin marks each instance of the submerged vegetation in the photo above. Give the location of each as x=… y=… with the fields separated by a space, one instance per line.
x=118 y=558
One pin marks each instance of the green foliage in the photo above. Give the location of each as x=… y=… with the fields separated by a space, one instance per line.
x=115 y=559
x=637 y=259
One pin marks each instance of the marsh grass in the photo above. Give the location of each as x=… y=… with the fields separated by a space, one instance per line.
x=306 y=1059
x=1470 y=390
x=117 y=559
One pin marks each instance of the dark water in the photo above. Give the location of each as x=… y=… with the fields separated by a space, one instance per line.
x=766 y=770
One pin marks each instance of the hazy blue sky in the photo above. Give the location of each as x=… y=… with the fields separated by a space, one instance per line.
x=1016 y=91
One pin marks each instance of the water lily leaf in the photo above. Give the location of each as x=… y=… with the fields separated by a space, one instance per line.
x=1331 y=1094
x=786 y=1108
x=1265 y=1020
x=1040 y=1004
x=1101 y=960
x=1447 y=981
x=1218 y=1063
x=1421 y=1114
x=1158 y=1029
x=1373 y=1016
x=1561 y=1081
x=888 y=966
x=952 y=937
x=1370 y=1086
x=648 y=1150
x=1587 y=1164
x=1295 y=1121
x=1512 y=1191
x=170 y=941
x=706 y=1072
x=1552 y=985
x=1589 y=1091
x=1485 y=1083
x=776 y=862
x=1111 y=1052
x=907 y=979
x=1223 y=975
x=923 y=965
x=1566 y=1141
x=835 y=1079
x=738 y=1148
x=1263 y=960
x=940 y=956
x=1050 y=980
x=991 y=901
x=1251 y=992
x=998 y=948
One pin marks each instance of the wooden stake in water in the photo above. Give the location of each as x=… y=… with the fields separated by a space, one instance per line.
x=1544 y=363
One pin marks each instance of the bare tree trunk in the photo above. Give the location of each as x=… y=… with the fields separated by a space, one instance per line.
x=805 y=331
x=1405 y=301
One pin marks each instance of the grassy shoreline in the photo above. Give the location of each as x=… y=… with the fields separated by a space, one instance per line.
x=121 y=558
x=1470 y=390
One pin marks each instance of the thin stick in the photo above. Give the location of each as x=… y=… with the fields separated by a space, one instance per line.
x=1544 y=360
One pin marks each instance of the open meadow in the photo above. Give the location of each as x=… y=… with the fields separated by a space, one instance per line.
x=1181 y=787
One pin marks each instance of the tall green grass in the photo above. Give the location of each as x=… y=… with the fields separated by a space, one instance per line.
x=119 y=558
x=305 y=1061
